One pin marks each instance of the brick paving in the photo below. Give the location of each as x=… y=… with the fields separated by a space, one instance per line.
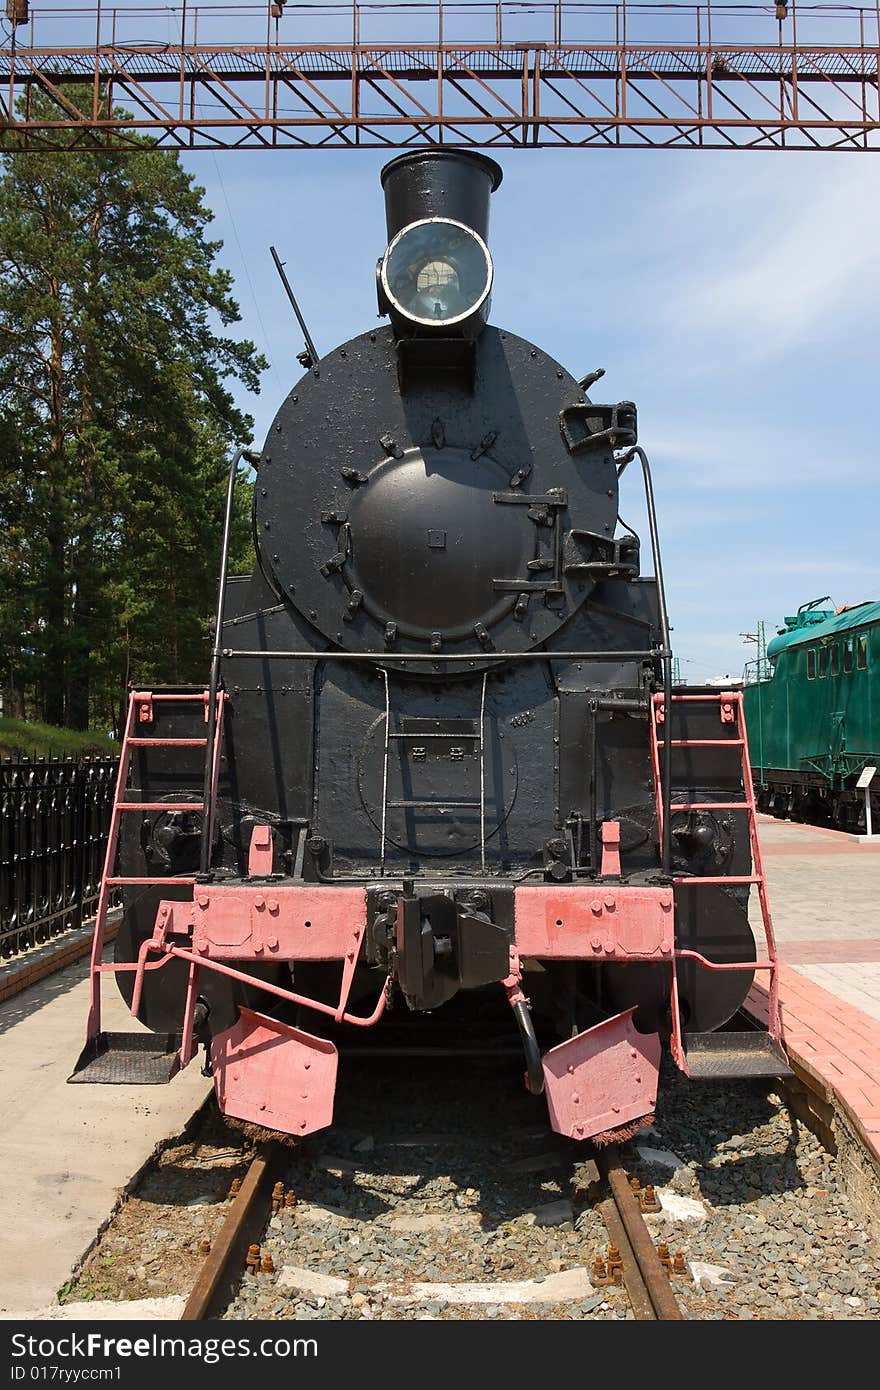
x=836 y=1044
x=821 y=889
x=801 y=953
x=825 y=900
x=847 y=982
x=823 y=847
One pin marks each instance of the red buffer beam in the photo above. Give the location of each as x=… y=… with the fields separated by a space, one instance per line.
x=494 y=75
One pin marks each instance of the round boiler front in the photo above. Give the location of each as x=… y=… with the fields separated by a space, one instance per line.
x=450 y=515
x=428 y=543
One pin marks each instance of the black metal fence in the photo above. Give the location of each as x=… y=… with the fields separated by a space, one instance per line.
x=54 y=819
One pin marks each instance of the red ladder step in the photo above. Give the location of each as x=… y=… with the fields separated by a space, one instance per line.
x=685 y=879
x=142 y=695
x=146 y=882
x=110 y=880
x=729 y=702
x=705 y=743
x=700 y=699
x=167 y=742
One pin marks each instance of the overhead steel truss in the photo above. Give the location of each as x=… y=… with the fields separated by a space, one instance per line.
x=303 y=76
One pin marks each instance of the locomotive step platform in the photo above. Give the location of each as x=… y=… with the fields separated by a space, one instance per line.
x=128 y=1059
x=734 y=1056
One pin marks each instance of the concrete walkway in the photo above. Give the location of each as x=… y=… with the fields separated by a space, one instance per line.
x=65 y=1151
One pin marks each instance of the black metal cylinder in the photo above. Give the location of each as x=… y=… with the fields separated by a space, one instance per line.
x=439 y=183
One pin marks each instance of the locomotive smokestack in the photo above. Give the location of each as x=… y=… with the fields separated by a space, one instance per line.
x=439 y=183
x=436 y=275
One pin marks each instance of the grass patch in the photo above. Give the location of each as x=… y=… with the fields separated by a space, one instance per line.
x=21 y=738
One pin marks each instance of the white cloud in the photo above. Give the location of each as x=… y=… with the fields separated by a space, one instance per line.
x=825 y=565
x=755 y=455
x=788 y=259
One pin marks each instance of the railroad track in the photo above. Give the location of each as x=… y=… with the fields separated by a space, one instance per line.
x=397 y=1212
x=644 y=1276
x=443 y=1200
x=221 y=1271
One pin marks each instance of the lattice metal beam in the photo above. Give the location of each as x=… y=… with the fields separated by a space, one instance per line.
x=646 y=76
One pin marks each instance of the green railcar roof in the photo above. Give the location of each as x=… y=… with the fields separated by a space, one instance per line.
x=811 y=633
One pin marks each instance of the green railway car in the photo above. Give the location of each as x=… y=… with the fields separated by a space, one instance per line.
x=813 y=716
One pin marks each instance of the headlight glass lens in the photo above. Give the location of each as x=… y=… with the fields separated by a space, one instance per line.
x=437 y=271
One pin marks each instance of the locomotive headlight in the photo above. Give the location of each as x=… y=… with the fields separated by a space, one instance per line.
x=437 y=274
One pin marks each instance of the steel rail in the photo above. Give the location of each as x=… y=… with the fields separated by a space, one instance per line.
x=221 y=1271
x=646 y=1281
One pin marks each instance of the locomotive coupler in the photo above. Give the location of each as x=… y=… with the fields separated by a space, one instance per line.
x=436 y=942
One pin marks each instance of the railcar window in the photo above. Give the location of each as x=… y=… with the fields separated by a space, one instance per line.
x=823 y=662
x=862 y=653
x=835 y=660
x=847 y=658
x=811 y=665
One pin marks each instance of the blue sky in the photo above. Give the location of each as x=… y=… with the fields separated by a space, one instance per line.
x=734 y=297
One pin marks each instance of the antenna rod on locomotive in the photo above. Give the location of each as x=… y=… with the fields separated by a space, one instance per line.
x=311 y=351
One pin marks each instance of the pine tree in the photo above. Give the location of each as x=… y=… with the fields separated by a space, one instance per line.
x=115 y=424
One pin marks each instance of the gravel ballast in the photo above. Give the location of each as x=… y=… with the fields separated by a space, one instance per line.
x=434 y=1184
x=439 y=1174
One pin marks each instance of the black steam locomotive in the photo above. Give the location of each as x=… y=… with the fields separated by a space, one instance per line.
x=440 y=758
